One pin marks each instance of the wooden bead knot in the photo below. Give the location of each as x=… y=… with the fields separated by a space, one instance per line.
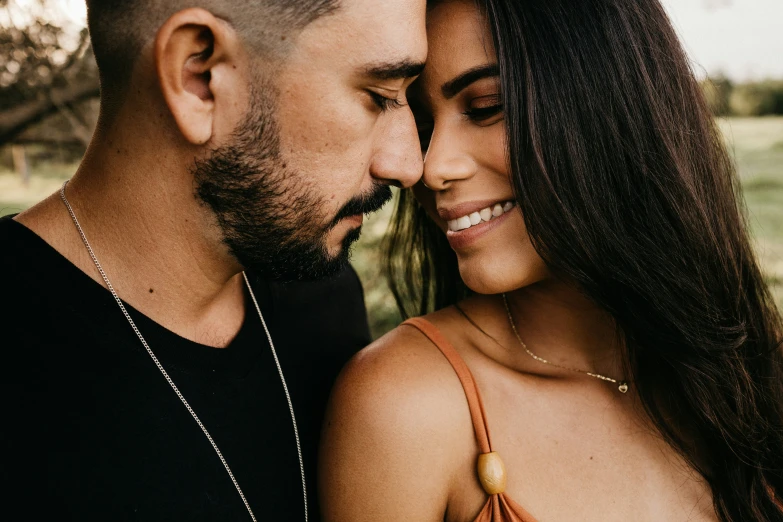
x=492 y=473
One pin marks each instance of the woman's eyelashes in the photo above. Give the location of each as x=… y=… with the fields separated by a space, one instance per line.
x=483 y=114
x=481 y=111
x=484 y=108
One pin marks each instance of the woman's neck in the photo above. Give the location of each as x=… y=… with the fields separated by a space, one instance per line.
x=556 y=322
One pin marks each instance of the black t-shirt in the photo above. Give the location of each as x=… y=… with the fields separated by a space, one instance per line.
x=91 y=430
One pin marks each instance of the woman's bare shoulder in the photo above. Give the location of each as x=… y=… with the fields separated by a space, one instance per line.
x=395 y=430
x=402 y=366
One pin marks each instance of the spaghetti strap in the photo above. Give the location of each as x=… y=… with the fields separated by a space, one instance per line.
x=490 y=468
x=475 y=404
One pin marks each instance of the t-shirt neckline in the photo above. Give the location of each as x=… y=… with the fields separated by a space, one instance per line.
x=61 y=278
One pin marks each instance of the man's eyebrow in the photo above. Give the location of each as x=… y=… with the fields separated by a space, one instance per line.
x=453 y=87
x=394 y=70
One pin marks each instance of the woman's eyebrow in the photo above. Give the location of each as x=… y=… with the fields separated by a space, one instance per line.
x=453 y=87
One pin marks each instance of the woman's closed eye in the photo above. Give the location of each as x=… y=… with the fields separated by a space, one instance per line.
x=484 y=109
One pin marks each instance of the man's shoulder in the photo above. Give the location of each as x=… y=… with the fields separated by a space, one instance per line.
x=21 y=246
x=36 y=285
x=12 y=237
x=18 y=248
x=24 y=256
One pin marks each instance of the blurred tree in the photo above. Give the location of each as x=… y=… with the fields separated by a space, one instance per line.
x=46 y=67
x=757 y=99
x=717 y=91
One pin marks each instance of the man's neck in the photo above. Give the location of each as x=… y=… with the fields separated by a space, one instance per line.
x=155 y=242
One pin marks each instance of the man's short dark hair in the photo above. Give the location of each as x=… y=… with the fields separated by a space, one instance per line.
x=120 y=28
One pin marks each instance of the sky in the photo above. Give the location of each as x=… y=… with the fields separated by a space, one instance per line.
x=743 y=39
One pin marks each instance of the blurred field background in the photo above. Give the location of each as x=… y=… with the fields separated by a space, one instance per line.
x=49 y=90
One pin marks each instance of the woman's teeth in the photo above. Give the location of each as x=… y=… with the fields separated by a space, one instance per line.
x=482 y=216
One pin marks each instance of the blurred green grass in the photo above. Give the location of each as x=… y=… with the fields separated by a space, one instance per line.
x=755 y=143
x=757 y=147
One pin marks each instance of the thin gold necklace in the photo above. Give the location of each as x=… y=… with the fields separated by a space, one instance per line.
x=622 y=386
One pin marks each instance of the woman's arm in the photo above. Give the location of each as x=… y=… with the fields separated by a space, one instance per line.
x=387 y=450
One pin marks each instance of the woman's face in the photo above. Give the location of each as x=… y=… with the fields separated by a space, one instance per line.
x=466 y=186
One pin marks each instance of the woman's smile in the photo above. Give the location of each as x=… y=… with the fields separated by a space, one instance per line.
x=468 y=228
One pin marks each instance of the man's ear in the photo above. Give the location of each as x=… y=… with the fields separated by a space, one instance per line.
x=196 y=57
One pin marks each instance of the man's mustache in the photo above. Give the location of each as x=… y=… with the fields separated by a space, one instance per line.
x=365 y=204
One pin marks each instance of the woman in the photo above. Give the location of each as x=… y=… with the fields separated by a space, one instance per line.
x=577 y=234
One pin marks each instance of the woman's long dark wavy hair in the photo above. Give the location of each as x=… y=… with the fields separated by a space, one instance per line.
x=628 y=191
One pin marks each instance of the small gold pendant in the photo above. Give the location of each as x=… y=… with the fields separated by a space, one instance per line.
x=623 y=387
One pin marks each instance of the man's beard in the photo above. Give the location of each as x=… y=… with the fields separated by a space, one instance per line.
x=271 y=220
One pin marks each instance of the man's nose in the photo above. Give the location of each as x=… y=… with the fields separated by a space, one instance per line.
x=397 y=152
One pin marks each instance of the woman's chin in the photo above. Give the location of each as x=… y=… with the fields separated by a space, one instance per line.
x=491 y=279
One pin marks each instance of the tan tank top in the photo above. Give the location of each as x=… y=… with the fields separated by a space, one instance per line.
x=490 y=468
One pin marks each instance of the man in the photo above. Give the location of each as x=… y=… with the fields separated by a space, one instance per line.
x=237 y=134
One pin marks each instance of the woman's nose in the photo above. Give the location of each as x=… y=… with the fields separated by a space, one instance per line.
x=446 y=161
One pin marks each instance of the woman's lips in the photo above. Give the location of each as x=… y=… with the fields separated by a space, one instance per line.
x=460 y=239
x=476 y=215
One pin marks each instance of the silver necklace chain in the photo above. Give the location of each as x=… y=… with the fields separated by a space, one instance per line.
x=622 y=386
x=174 y=386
